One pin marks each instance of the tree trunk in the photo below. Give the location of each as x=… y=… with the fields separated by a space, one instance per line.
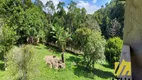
x=5 y=59
x=5 y=63
x=62 y=54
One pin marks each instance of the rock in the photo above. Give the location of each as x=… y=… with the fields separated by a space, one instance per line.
x=54 y=62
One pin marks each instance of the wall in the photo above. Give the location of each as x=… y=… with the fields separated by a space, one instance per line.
x=133 y=35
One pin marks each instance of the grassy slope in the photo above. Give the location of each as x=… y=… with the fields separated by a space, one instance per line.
x=101 y=72
x=2 y=72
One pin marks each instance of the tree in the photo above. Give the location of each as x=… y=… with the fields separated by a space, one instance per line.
x=92 y=44
x=91 y=23
x=81 y=36
x=59 y=16
x=27 y=3
x=115 y=29
x=61 y=36
x=33 y=24
x=21 y=63
x=39 y=4
x=49 y=9
x=72 y=16
x=8 y=39
x=108 y=16
x=113 y=49
x=26 y=21
x=94 y=49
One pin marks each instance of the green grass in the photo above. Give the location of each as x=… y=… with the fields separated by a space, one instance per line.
x=2 y=72
x=71 y=72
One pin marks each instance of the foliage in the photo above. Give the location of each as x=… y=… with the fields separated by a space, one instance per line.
x=45 y=21
x=8 y=38
x=59 y=16
x=81 y=36
x=34 y=23
x=20 y=65
x=25 y=18
x=113 y=49
x=94 y=49
x=62 y=36
x=111 y=19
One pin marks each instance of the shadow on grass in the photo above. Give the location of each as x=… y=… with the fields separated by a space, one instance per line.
x=2 y=66
x=1 y=56
x=53 y=48
x=103 y=74
x=83 y=71
x=56 y=48
x=73 y=59
x=108 y=66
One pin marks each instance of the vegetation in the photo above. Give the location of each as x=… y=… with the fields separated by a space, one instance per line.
x=92 y=44
x=19 y=65
x=62 y=36
x=72 y=71
x=113 y=50
x=7 y=35
x=7 y=38
x=111 y=19
x=94 y=49
x=22 y=21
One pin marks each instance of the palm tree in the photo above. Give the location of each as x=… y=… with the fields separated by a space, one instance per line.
x=62 y=37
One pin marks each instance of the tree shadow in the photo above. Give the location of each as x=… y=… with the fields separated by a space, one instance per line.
x=2 y=56
x=83 y=71
x=108 y=66
x=103 y=74
x=73 y=59
x=53 y=48
x=2 y=66
x=56 y=48
x=38 y=48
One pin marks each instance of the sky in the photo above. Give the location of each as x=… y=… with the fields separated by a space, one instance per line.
x=90 y=5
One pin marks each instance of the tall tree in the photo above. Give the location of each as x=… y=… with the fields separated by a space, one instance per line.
x=25 y=21
x=71 y=16
x=106 y=16
x=61 y=36
x=39 y=4
x=59 y=16
x=49 y=9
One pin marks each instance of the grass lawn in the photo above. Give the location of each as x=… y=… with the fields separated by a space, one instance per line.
x=72 y=72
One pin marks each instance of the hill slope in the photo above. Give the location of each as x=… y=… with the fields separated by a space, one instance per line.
x=72 y=71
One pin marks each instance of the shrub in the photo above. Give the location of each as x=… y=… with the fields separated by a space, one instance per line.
x=81 y=36
x=94 y=49
x=113 y=49
x=7 y=40
x=20 y=63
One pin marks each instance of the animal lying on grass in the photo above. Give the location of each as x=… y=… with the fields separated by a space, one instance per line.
x=54 y=62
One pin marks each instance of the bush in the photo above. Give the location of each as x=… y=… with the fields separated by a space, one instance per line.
x=20 y=63
x=81 y=36
x=113 y=49
x=94 y=49
x=7 y=40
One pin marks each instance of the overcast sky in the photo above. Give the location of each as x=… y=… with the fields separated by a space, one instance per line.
x=89 y=5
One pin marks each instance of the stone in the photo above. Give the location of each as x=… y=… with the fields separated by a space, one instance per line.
x=54 y=62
